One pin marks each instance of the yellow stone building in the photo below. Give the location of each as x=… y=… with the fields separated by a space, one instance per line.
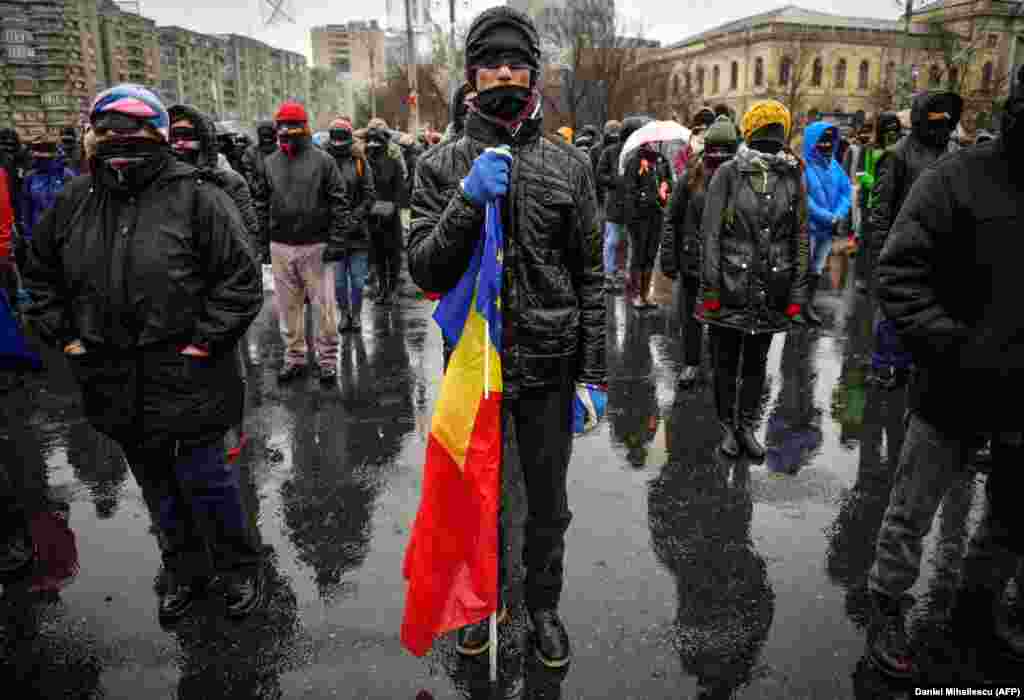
x=813 y=60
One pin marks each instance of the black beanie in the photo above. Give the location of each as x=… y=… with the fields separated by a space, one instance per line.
x=705 y=118
x=501 y=32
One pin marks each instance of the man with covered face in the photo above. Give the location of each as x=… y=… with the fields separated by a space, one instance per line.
x=552 y=301
x=255 y=155
x=140 y=274
x=303 y=206
x=934 y=117
x=949 y=282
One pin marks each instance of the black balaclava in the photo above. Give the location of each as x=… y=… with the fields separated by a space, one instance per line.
x=826 y=144
x=937 y=132
x=770 y=138
x=267 y=138
x=339 y=143
x=128 y=164
x=504 y=35
x=1013 y=116
x=376 y=142
x=186 y=144
x=889 y=130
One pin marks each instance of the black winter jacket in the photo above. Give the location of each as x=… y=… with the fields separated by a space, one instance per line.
x=756 y=246
x=230 y=181
x=553 y=288
x=361 y=193
x=681 y=242
x=302 y=199
x=609 y=183
x=389 y=182
x=138 y=278
x=949 y=279
x=641 y=190
x=900 y=168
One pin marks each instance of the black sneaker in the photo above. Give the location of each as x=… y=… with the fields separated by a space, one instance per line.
x=888 y=648
x=243 y=593
x=177 y=597
x=551 y=639
x=748 y=441
x=291 y=372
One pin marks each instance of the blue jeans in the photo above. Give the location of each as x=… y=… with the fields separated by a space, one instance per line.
x=196 y=498
x=612 y=236
x=350 y=278
x=820 y=249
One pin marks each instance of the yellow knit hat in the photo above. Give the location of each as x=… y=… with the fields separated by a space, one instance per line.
x=764 y=113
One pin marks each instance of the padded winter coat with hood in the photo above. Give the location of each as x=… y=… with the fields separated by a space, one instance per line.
x=39 y=191
x=829 y=194
x=211 y=166
x=903 y=164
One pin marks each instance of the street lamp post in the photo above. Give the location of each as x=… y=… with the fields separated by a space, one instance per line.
x=414 y=108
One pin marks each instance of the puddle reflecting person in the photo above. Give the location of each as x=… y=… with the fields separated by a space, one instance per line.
x=553 y=301
x=682 y=242
x=148 y=299
x=754 y=267
x=794 y=427
x=700 y=511
x=634 y=395
x=949 y=287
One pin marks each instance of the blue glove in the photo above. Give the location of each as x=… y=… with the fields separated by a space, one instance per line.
x=588 y=407
x=489 y=177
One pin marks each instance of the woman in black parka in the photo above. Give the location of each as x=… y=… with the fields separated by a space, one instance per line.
x=682 y=241
x=754 y=268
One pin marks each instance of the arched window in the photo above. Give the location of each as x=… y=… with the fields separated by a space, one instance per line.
x=675 y=85
x=986 y=76
x=934 y=76
x=734 y=76
x=816 y=71
x=785 y=70
x=862 y=75
x=890 y=72
x=839 y=80
x=714 y=80
x=700 y=80
x=954 y=79
x=758 y=72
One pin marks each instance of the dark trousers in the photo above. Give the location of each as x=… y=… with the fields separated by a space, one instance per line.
x=692 y=329
x=726 y=345
x=535 y=513
x=388 y=262
x=889 y=352
x=23 y=488
x=196 y=499
x=644 y=230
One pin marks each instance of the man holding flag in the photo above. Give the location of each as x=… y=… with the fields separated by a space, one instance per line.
x=504 y=228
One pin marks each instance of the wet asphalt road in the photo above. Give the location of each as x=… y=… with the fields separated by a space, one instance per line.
x=684 y=571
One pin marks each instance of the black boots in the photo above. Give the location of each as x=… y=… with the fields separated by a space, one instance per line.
x=750 y=401
x=887 y=646
x=177 y=597
x=813 y=282
x=738 y=431
x=243 y=593
x=552 y=641
x=730 y=445
x=475 y=639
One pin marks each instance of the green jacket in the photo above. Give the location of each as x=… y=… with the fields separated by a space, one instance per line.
x=872 y=157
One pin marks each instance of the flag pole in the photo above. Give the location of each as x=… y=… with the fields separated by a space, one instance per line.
x=494 y=647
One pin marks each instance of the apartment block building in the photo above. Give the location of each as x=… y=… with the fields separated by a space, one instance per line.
x=130 y=46
x=192 y=70
x=50 y=63
x=258 y=78
x=355 y=49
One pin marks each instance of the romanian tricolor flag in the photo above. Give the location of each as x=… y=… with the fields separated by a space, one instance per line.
x=451 y=563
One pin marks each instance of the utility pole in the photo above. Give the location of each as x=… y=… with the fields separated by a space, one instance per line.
x=414 y=106
x=453 y=79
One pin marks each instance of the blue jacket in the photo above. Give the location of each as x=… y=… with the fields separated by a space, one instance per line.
x=14 y=351
x=39 y=191
x=828 y=187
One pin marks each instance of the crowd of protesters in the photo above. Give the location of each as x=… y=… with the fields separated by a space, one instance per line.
x=136 y=249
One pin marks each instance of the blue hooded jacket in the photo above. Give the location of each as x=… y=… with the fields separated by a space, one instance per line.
x=829 y=194
x=39 y=191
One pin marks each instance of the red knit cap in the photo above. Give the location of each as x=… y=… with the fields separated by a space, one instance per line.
x=291 y=112
x=341 y=124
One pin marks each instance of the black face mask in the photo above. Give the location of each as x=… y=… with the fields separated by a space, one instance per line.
x=129 y=164
x=504 y=101
x=825 y=148
x=938 y=133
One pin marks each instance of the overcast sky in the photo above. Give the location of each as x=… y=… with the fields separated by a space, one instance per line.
x=665 y=21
